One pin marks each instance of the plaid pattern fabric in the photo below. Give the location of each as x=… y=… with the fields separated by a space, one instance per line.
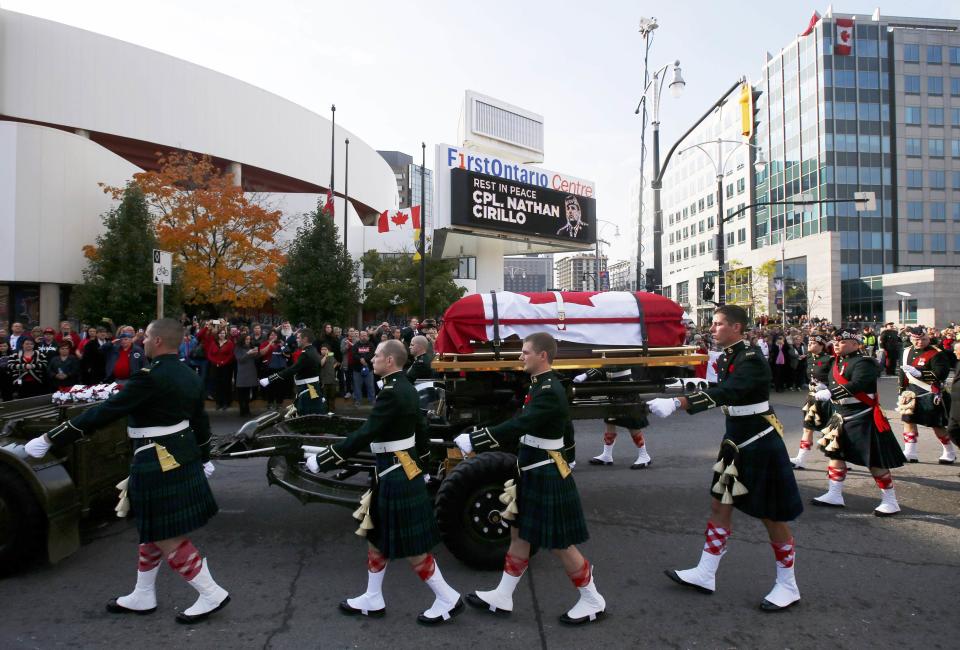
x=550 y=512
x=307 y=405
x=837 y=473
x=149 y=557
x=884 y=481
x=785 y=552
x=862 y=444
x=765 y=470
x=715 y=539
x=927 y=412
x=168 y=504
x=403 y=521
x=824 y=409
x=909 y=436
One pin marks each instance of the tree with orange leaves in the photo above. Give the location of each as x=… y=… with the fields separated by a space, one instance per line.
x=223 y=242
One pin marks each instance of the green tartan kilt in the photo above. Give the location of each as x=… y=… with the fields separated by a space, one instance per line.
x=404 y=524
x=824 y=410
x=307 y=405
x=862 y=443
x=172 y=503
x=550 y=512
x=928 y=412
x=764 y=468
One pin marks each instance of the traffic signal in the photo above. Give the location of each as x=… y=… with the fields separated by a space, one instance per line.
x=707 y=291
x=651 y=276
x=746 y=109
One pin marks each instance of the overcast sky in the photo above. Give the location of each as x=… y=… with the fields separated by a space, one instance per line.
x=397 y=70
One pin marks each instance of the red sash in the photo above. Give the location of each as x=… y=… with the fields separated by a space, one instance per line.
x=873 y=402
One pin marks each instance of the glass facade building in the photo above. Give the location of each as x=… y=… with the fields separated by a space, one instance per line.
x=880 y=120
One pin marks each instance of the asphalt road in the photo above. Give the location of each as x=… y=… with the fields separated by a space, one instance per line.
x=865 y=581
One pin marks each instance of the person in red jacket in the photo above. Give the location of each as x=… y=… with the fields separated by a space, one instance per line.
x=220 y=354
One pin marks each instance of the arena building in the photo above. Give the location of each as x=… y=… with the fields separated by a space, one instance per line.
x=78 y=109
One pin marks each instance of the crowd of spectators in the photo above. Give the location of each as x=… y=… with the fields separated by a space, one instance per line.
x=786 y=348
x=231 y=356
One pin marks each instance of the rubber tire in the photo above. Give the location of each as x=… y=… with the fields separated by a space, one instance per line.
x=488 y=470
x=22 y=524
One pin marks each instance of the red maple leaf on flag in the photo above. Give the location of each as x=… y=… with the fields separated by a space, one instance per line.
x=569 y=297
x=844 y=36
x=399 y=218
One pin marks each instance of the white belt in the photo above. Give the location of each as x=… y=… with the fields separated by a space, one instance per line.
x=541 y=443
x=755 y=438
x=156 y=432
x=388 y=470
x=393 y=445
x=527 y=468
x=849 y=400
x=308 y=380
x=139 y=449
x=856 y=415
x=922 y=384
x=619 y=373
x=747 y=409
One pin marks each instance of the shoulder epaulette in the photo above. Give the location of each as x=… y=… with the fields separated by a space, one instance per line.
x=750 y=354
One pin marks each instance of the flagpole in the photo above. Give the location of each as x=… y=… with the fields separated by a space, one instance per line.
x=333 y=129
x=346 y=191
x=423 y=233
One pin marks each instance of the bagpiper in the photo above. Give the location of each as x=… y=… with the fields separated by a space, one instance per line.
x=753 y=472
x=923 y=400
x=167 y=491
x=858 y=432
x=305 y=371
x=635 y=424
x=397 y=514
x=815 y=413
x=543 y=503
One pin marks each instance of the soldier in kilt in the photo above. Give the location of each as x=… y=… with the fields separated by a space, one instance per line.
x=923 y=400
x=815 y=413
x=753 y=472
x=546 y=511
x=858 y=432
x=634 y=424
x=308 y=393
x=167 y=488
x=397 y=515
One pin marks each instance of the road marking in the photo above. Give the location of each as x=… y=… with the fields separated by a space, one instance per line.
x=930 y=517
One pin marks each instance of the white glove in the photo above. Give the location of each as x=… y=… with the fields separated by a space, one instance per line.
x=910 y=370
x=463 y=442
x=312 y=463
x=37 y=448
x=579 y=379
x=265 y=382
x=662 y=406
x=823 y=395
x=208 y=469
x=822 y=386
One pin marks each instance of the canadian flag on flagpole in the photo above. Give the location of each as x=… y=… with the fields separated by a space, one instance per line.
x=813 y=23
x=393 y=219
x=843 y=46
x=328 y=206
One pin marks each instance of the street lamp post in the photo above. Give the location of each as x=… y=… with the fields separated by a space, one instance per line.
x=903 y=306
x=596 y=259
x=720 y=165
x=676 y=86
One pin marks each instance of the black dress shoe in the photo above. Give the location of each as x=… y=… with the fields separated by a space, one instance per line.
x=583 y=620
x=767 y=606
x=641 y=465
x=823 y=504
x=187 y=619
x=345 y=608
x=476 y=601
x=680 y=581
x=438 y=620
x=946 y=462
x=116 y=608
x=597 y=461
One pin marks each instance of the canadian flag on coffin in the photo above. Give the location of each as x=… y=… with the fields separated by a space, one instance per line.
x=844 y=43
x=394 y=219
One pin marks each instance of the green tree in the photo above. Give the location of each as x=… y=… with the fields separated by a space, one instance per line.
x=318 y=282
x=395 y=284
x=118 y=281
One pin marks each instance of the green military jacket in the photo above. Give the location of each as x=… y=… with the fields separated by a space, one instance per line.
x=306 y=366
x=163 y=394
x=396 y=415
x=420 y=368
x=545 y=414
x=818 y=368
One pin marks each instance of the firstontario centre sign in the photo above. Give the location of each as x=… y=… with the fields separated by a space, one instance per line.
x=478 y=192
x=490 y=202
